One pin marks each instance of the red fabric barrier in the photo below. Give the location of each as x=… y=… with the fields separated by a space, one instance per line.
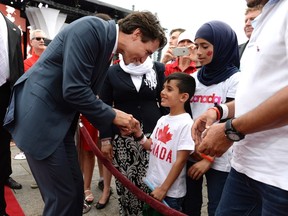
x=159 y=206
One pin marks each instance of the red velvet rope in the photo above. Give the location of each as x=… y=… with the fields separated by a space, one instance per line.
x=159 y=206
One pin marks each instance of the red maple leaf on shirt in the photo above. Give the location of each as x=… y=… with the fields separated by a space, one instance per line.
x=163 y=134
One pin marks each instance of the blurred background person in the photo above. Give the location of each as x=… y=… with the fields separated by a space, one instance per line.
x=251 y=14
x=183 y=63
x=173 y=41
x=37 y=42
x=87 y=162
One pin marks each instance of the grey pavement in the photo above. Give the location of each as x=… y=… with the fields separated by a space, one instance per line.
x=32 y=204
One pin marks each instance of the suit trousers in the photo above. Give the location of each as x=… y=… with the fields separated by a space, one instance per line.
x=5 y=137
x=60 y=179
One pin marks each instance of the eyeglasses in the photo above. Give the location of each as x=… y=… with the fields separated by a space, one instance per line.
x=38 y=38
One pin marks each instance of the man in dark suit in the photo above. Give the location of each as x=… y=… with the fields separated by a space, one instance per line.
x=64 y=82
x=250 y=15
x=11 y=69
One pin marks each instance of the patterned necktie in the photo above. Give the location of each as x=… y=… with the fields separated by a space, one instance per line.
x=3 y=59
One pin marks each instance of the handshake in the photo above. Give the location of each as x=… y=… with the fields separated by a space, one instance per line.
x=126 y=123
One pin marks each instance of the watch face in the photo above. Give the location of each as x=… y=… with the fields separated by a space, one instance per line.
x=231 y=133
x=233 y=136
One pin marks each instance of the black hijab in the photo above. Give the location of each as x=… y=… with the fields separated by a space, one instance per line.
x=225 y=61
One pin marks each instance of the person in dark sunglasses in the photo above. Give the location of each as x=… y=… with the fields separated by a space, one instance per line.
x=38 y=38
x=38 y=46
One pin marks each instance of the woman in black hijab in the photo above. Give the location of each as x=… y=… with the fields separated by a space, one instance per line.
x=216 y=82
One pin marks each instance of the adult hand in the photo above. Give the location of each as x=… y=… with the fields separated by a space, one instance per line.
x=125 y=122
x=202 y=123
x=192 y=53
x=214 y=142
x=168 y=56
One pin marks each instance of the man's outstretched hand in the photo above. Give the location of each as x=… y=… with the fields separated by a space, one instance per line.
x=125 y=122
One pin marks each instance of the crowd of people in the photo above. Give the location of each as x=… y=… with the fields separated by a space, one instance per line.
x=218 y=112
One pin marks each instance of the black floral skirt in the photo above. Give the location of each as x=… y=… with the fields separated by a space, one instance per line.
x=131 y=159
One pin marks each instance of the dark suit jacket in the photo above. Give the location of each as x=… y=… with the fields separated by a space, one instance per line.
x=15 y=52
x=61 y=84
x=242 y=48
x=118 y=90
x=15 y=55
x=16 y=70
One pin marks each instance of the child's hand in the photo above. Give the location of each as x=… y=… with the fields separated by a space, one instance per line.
x=137 y=131
x=199 y=169
x=158 y=193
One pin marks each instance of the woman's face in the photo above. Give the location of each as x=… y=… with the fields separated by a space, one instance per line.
x=205 y=51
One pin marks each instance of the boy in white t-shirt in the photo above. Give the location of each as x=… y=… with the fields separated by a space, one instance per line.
x=171 y=141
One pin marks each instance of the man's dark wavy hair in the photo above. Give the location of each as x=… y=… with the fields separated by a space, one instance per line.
x=148 y=24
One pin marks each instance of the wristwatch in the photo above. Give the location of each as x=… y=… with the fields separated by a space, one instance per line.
x=231 y=133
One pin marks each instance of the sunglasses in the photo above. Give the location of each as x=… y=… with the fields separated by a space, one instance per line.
x=38 y=38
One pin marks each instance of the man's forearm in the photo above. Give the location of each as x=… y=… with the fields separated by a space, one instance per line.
x=270 y=114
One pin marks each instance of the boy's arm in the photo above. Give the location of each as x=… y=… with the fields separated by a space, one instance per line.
x=160 y=192
x=147 y=144
x=140 y=137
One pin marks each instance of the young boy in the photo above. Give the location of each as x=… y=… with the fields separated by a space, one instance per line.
x=171 y=142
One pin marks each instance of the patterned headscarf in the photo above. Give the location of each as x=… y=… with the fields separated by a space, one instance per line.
x=225 y=60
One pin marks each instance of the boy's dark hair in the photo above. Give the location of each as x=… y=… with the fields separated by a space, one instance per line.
x=148 y=24
x=186 y=84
